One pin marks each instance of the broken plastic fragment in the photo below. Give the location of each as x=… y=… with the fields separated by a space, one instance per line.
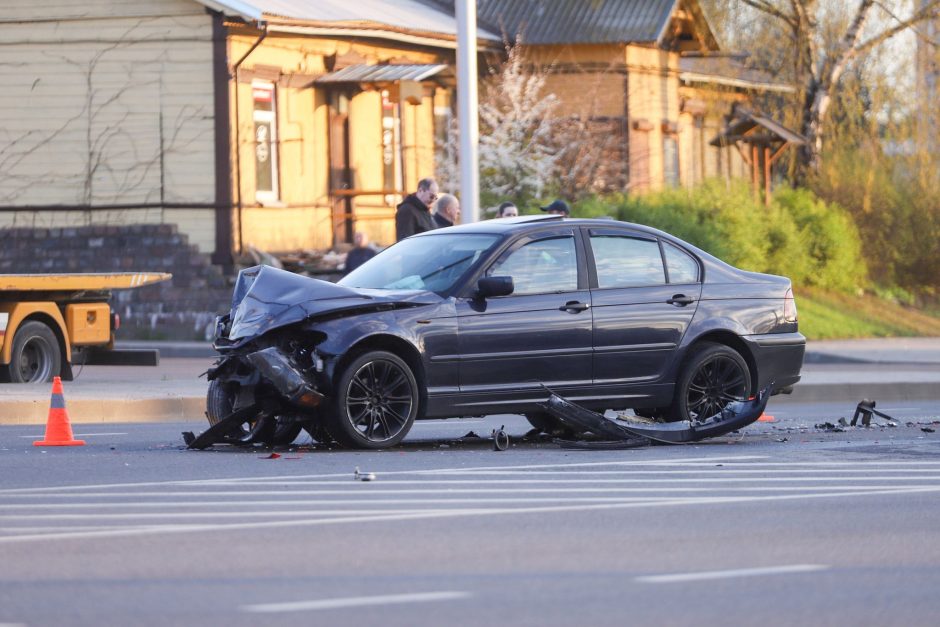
x=363 y=476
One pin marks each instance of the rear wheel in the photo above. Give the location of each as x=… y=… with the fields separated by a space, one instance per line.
x=35 y=357
x=713 y=377
x=375 y=402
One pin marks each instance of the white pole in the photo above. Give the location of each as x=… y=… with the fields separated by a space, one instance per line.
x=467 y=110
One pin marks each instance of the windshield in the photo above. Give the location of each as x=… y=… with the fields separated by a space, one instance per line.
x=432 y=263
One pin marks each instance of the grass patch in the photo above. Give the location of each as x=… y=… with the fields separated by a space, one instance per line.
x=832 y=315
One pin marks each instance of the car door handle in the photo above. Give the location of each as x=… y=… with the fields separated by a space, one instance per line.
x=680 y=300
x=573 y=306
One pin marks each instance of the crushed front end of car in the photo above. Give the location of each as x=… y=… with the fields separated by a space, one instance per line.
x=272 y=379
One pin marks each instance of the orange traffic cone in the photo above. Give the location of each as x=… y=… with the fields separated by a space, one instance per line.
x=58 y=428
x=766 y=418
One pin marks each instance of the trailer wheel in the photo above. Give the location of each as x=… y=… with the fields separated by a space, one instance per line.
x=36 y=357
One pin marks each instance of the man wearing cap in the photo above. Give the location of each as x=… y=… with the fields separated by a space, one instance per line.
x=558 y=207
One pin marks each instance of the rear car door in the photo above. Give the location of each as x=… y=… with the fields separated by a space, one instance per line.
x=644 y=293
x=509 y=346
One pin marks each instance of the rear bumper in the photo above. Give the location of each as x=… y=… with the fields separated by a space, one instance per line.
x=778 y=357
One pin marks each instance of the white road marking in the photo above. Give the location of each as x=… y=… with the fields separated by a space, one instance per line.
x=458 y=470
x=728 y=574
x=497 y=486
x=223 y=528
x=729 y=463
x=83 y=435
x=331 y=604
x=374 y=501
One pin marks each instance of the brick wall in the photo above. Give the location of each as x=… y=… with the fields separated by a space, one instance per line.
x=180 y=309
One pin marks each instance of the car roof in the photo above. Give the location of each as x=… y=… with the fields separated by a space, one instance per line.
x=523 y=223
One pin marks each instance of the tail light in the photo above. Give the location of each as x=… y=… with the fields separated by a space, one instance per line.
x=789 y=307
x=115 y=321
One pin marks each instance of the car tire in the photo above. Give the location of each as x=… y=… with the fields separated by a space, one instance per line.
x=35 y=355
x=375 y=402
x=220 y=401
x=713 y=376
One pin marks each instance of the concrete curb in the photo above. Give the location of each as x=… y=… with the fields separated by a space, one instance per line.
x=107 y=410
x=186 y=408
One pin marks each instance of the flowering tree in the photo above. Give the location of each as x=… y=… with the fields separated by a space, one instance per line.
x=517 y=153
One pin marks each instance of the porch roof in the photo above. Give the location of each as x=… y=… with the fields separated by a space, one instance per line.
x=751 y=128
x=381 y=73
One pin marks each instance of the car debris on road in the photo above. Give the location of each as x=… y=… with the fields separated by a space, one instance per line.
x=732 y=417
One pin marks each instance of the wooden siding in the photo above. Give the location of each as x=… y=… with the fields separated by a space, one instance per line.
x=105 y=103
x=301 y=217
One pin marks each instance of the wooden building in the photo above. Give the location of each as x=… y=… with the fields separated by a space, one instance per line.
x=649 y=72
x=280 y=124
x=288 y=124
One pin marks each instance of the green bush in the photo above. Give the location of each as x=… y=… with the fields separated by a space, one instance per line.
x=798 y=236
x=831 y=241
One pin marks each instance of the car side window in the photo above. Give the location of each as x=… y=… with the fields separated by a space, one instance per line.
x=627 y=261
x=682 y=267
x=541 y=266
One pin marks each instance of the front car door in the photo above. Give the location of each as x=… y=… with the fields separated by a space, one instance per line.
x=644 y=294
x=540 y=335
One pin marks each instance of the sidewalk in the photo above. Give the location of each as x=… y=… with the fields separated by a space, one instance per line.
x=844 y=371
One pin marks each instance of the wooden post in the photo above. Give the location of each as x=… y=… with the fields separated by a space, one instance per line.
x=767 y=176
x=755 y=171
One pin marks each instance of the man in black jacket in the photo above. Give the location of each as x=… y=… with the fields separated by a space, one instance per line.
x=446 y=211
x=414 y=212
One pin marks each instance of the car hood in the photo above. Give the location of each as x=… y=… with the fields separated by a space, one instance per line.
x=266 y=298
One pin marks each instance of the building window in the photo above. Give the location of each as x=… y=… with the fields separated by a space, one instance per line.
x=670 y=161
x=265 y=138
x=391 y=146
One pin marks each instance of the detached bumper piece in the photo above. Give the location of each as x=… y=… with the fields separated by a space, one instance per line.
x=632 y=431
x=222 y=430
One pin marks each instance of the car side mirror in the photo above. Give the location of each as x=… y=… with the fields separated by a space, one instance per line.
x=495 y=286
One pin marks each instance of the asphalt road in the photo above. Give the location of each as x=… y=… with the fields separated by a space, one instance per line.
x=782 y=524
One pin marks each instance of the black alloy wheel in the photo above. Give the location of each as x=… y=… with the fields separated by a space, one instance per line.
x=714 y=377
x=376 y=402
x=35 y=357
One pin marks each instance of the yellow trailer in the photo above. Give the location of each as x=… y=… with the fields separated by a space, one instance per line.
x=46 y=320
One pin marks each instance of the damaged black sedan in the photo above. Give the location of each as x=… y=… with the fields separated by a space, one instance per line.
x=493 y=317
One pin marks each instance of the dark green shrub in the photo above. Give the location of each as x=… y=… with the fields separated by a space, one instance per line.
x=798 y=236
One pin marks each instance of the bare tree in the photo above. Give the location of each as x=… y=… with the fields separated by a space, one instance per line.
x=825 y=48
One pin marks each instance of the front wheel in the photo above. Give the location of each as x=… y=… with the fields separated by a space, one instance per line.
x=713 y=377
x=35 y=357
x=375 y=402
x=220 y=402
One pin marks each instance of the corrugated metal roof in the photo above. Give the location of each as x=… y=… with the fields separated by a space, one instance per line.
x=381 y=73
x=727 y=70
x=411 y=15
x=575 y=21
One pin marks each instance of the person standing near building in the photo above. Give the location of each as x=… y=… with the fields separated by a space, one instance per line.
x=507 y=210
x=361 y=253
x=558 y=207
x=446 y=211
x=414 y=213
